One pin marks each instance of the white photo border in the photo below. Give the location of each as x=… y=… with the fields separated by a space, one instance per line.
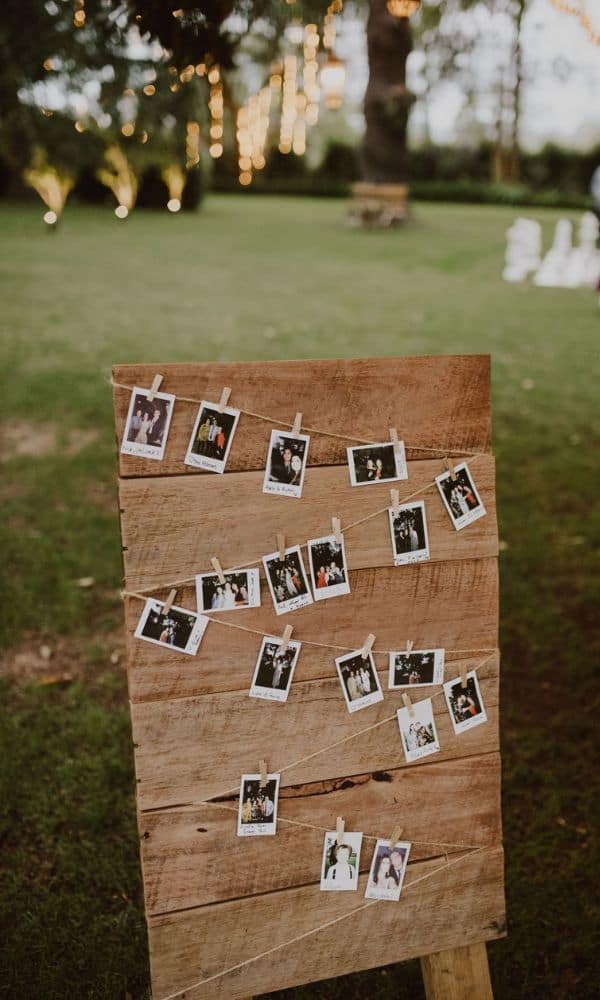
x=205 y=462
x=285 y=489
x=439 y=656
x=419 y=555
x=472 y=515
x=196 y=635
x=374 y=697
x=155 y=452
x=337 y=589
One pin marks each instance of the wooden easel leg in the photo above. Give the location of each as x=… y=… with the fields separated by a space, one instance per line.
x=457 y=974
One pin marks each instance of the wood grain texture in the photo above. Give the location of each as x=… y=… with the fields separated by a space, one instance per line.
x=457 y=974
x=440 y=402
x=451 y=604
x=171 y=527
x=183 y=849
x=192 y=749
x=459 y=906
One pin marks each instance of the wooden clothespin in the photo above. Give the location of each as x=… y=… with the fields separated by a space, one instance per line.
x=285 y=639
x=154 y=388
x=169 y=602
x=408 y=705
x=368 y=646
x=395 y=495
x=336 y=527
x=409 y=645
x=281 y=547
x=218 y=569
x=339 y=829
x=450 y=468
x=395 y=441
x=224 y=399
x=395 y=837
x=297 y=425
x=264 y=777
x=463 y=677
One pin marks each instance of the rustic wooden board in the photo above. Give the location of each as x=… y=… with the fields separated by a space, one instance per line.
x=211 y=899
x=190 y=514
x=452 y=604
x=440 y=402
x=180 y=742
x=183 y=849
x=455 y=907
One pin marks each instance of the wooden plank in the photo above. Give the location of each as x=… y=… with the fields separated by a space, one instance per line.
x=183 y=849
x=457 y=906
x=458 y=974
x=172 y=526
x=440 y=402
x=192 y=749
x=452 y=604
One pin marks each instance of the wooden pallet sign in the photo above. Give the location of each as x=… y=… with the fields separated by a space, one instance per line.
x=234 y=916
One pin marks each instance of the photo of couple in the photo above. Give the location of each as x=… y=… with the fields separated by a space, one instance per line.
x=287 y=580
x=180 y=630
x=147 y=424
x=387 y=870
x=359 y=680
x=339 y=870
x=461 y=499
x=274 y=670
x=257 y=810
x=240 y=590
x=377 y=463
x=286 y=464
x=420 y=666
x=328 y=570
x=465 y=704
x=212 y=437
x=417 y=728
x=409 y=533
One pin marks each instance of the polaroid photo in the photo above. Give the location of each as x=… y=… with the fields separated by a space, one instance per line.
x=328 y=567
x=274 y=670
x=465 y=704
x=387 y=870
x=286 y=463
x=179 y=629
x=419 y=735
x=287 y=580
x=212 y=437
x=418 y=668
x=461 y=499
x=257 y=811
x=359 y=680
x=377 y=463
x=408 y=528
x=339 y=870
x=147 y=424
x=240 y=590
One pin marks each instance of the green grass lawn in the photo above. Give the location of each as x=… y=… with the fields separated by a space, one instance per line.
x=275 y=278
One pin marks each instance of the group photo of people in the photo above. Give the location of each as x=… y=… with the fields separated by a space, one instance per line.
x=148 y=421
x=341 y=862
x=359 y=679
x=239 y=590
x=387 y=870
x=416 y=667
x=274 y=669
x=374 y=463
x=417 y=727
x=328 y=568
x=287 y=580
x=212 y=436
x=464 y=703
x=258 y=805
x=173 y=629
x=409 y=532
x=286 y=463
x=460 y=497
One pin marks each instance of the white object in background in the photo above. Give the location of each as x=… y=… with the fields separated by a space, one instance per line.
x=583 y=267
x=523 y=249
x=552 y=272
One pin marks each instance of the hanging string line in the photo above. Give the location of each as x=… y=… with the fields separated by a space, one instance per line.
x=311 y=430
x=303 y=545
x=315 y=930
x=330 y=746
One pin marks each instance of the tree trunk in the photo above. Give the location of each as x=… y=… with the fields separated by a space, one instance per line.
x=387 y=100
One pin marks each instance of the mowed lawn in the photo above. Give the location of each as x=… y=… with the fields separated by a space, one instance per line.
x=250 y=278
